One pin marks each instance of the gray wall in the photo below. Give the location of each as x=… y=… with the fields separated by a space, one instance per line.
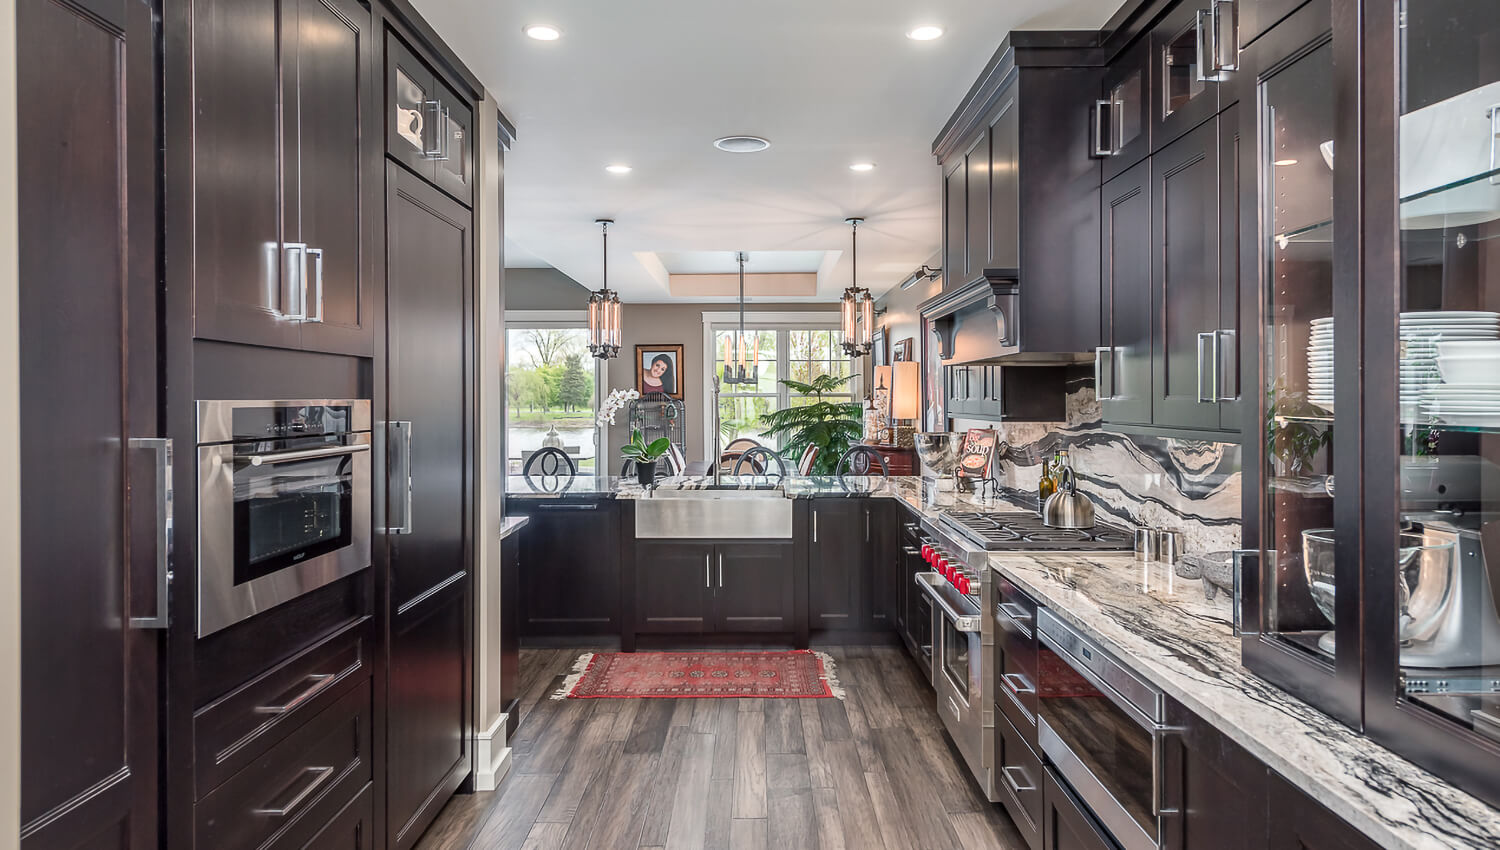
x=543 y=289
x=902 y=321
x=674 y=324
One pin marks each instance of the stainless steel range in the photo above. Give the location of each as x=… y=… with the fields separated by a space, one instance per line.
x=957 y=547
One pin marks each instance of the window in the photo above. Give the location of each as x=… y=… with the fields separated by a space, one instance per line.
x=551 y=393
x=800 y=353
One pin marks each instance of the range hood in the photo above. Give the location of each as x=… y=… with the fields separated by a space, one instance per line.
x=984 y=322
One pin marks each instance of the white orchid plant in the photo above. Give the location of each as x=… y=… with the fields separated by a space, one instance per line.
x=616 y=400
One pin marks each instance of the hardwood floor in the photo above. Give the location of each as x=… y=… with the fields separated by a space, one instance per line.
x=871 y=772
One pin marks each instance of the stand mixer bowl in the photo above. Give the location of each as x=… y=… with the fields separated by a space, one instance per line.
x=939 y=452
x=1425 y=574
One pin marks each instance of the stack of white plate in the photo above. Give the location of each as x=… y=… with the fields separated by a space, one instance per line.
x=1470 y=391
x=1421 y=333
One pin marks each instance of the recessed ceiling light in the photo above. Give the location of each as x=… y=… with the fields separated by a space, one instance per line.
x=543 y=32
x=742 y=144
x=617 y=168
x=862 y=166
x=925 y=33
x=1285 y=162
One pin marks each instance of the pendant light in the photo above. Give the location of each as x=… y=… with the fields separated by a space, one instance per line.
x=858 y=306
x=604 y=309
x=742 y=349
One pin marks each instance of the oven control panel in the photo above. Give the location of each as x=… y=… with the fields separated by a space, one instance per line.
x=948 y=565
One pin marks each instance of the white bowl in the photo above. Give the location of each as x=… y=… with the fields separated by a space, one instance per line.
x=1475 y=371
x=1470 y=348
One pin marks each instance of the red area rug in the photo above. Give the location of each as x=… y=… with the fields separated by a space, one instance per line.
x=800 y=674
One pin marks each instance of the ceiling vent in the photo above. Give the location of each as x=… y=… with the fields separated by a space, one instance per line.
x=742 y=144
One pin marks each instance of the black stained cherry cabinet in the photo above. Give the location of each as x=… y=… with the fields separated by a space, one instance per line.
x=852 y=564
x=699 y=588
x=1066 y=821
x=570 y=566
x=89 y=523
x=1121 y=131
x=428 y=510
x=1122 y=363
x=1295 y=821
x=428 y=126
x=286 y=197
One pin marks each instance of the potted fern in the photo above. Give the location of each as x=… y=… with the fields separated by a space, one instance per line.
x=832 y=426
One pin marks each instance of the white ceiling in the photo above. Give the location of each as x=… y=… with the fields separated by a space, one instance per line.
x=652 y=83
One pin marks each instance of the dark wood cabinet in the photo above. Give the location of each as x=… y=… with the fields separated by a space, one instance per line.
x=1296 y=821
x=92 y=515
x=753 y=591
x=977 y=208
x=1019 y=777
x=1123 y=361
x=1225 y=788
x=1066 y=822
x=1121 y=131
x=1185 y=286
x=899 y=460
x=673 y=588
x=836 y=564
x=1185 y=92
x=699 y=588
x=285 y=185
x=352 y=828
x=955 y=224
x=1005 y=188
x=881 y=535
x=428 y=502
x=1256 y=17
x=570 y=566
x=510 y=630
x=428 y=126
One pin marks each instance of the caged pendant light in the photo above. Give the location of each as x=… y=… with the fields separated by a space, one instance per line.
x=742 y=349
x=604 y=309
x=857 y=306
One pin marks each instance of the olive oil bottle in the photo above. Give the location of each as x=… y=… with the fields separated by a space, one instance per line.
x=1048 y=483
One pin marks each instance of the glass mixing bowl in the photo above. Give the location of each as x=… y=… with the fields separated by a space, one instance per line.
x=1424 y=577
x=939 y=452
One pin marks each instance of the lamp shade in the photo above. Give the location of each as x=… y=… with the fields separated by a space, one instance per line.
x=906 y=386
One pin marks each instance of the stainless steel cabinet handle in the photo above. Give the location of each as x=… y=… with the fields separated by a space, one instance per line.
x=721 y=569
x=911 y=550
x=320 y=776
x=1203 y=33
x=1024 y=687
x=708 y=570
x=294 y=281
x=1226 y=38
x=306 y=454
x=1099 y=353
x=1016 y=787
x=1224 y=386
x=433 y=107
x=815 y=525
x=319 y=681
x=867 y=525
x=1211 y=359
x=1015 y=612
x=313 y=304
x=447 y=127
x=1101 y=146
x=163 y=449
x=398 y=473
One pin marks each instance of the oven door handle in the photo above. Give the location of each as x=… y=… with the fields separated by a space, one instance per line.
x=306 y=454
x=966 y=623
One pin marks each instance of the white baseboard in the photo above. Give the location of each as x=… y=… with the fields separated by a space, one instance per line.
x=492 y=756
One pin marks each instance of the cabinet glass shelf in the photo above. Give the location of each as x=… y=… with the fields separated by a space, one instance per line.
x=1458 y=201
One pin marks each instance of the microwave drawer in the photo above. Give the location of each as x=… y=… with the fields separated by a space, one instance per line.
x=233 y=731
x=1018 y=775
x=285 y=797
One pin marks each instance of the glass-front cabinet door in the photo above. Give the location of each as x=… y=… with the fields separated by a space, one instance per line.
x=1301 y=623
x=1432 y=560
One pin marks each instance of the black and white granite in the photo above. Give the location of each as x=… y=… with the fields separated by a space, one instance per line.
x=511 y=524
x=1189 y=485
x=1161 y=627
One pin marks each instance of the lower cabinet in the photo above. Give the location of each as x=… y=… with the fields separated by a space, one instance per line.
x=570 y=566
x=852 y=564
x=1020 y=780
x=1298 y=822
x=351 y=828
x=1066 y=822
x=698 y=588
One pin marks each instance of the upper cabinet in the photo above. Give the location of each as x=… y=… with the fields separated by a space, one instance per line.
x=428 y=126
x=283 y=221
x=1193 y=51
x=1121 y=131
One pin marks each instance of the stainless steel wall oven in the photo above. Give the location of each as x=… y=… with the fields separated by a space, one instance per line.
x=283 y=502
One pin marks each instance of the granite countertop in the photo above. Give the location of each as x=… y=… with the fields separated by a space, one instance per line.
x=1161 y=626
x=511 y=524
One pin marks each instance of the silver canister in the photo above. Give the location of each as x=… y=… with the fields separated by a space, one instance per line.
x=1168 y=545
x=1146 y=540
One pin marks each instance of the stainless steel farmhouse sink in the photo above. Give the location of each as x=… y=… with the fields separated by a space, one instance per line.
x=714 y=514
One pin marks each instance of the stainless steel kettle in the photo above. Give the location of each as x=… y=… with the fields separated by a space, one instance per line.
x=1068 y=508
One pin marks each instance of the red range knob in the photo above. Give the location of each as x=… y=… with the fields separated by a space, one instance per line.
x=963 y=585
x=927 y=552
x=942 y=565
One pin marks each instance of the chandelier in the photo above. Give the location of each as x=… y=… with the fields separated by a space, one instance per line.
x=604 y=309
x=742 y=348
x=858 y=306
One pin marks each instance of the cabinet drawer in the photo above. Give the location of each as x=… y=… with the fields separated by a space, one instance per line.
x=235 y=730
x=1019 y=776
x=351 y=828
x=288 y=794
x=1015 y=638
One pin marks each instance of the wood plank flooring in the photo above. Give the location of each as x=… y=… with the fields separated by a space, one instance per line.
x=873 y=772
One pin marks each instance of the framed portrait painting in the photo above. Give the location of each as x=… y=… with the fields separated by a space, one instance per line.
x=658 y=369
